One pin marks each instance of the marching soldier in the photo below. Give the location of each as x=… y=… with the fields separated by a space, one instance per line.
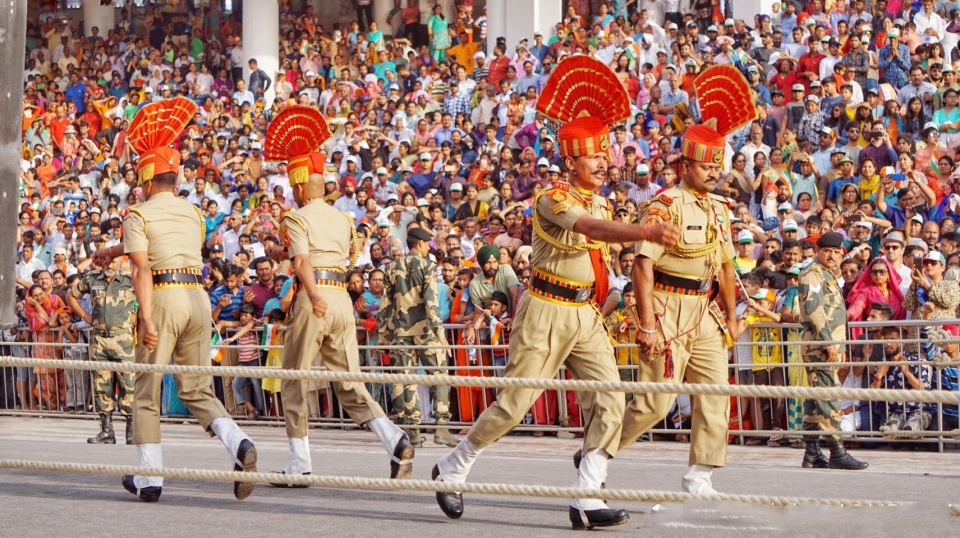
x=557 y=320
x=174 y=309
x=318 y=238
x=682 y=334
x=112 y=318
x=823 y=316
x=410 y=316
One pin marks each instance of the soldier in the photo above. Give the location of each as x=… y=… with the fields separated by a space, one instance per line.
x=557 y=320
x=174 y=309
x=410 y=316
x=318 y=237
x=823 y=316
x=682 y=334
x=112 y=318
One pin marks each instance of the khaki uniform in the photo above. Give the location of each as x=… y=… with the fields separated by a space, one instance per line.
x=410 y=316
x=548 y=333
x=170 y=230
x=323 y=233
x=823 y=316
x=114 y=308
x=692 y=323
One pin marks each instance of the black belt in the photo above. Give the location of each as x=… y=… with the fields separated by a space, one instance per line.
x=552 y=290
x=691 y=284
x=184 y=277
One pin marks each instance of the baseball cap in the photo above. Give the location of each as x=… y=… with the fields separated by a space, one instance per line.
x=795 y=269
x=382 y=170
x=864 y=224
x=845 y=159
x=425 y=157
x=888 y=171
x=711 y=28
x=543 y=162
x=894 y=33
x=798 y=88
x=217 y=247
x=643 y=169
x=896 y=237
x=554 y=169
x=393 y=198
x=383 y=223
x=811 y=98
x=815 y=84
x=745 y=237
x=790 y=225
x=256 y=145
x=422 y=202
x=786 y=206
x=761 y=294
x=353 y=159
x=309 y=74
x=917 y=219
x=456 y=187
x=329 y=179
x=935 y=256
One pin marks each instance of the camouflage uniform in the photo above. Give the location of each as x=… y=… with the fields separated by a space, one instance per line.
x=112 y=337
x=824 y=320
x=410 y=316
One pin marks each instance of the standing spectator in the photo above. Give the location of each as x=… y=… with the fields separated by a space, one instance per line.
x=409 y=316
x=824 y=321
x=929 y=292
x=41 y=310
x=894 y=60
x=261 y=291
x=113 y=310
x=249 y=356
x=259 y=81
x=77 y=381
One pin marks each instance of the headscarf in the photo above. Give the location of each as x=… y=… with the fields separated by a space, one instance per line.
x=864 y=286
x=486 y=253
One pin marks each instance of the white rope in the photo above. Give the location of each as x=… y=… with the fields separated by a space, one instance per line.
x=386 y=484
x=752 y=391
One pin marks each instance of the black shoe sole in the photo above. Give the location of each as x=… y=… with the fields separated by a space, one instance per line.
x=288 y=486
x=577 y=523
x=845 y=468
x=405 y=453
x=247 y=454
x=441 y=496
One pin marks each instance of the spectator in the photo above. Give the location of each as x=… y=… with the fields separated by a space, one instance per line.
x=910 y=373
x=878 y=284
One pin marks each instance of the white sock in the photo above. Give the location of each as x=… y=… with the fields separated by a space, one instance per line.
x=387 y=431
x=698 y=481
x=230 y=435
x=300 y=462
x=455 y=466
x=149 y=455
x=590 y=475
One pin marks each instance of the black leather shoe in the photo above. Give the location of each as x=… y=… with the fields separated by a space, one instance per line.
x=813 y=458
x=291 y=486
x=247 y=454
x=841 y=459
x=577 y=457
x=401 y=466
x=150 y=494
x=591 y=519
x=450 y=503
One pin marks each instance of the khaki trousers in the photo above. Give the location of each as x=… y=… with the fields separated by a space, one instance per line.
x=334 y=337
x=182 y=316
x=545 y=336
x=699 y=356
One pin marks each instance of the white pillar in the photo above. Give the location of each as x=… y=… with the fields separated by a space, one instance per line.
x=103 y=17
x=746 y=9
x=261 y=38
x=381 y=15
x=517 y=20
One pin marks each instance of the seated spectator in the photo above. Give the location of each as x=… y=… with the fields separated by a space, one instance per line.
x=909 y=373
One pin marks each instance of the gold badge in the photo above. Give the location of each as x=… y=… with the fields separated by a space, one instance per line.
x=718 y=155
x=604 y=142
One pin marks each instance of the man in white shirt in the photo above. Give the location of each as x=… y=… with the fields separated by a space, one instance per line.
x=753 y=146
x=233 y=228
x=27 y=266
x=930 y=26
x=243 y=95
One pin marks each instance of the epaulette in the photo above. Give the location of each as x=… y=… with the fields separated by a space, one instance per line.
x=561 y=197
x=664 y=199
x=561 y=186
x=294 y=219
x=134 y=210
x=723 y=199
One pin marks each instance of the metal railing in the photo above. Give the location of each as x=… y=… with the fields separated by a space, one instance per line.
x=773 y=359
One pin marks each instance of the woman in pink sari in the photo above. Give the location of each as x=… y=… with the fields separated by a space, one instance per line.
x=880 y=283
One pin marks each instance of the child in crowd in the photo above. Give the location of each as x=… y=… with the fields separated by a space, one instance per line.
x=623 y=330
x=249 y=355
x=77 y=381
x=273 y=341
x=498 y=317
x=760 y=310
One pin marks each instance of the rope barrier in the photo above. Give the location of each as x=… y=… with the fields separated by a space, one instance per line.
x=385 y=484
x=751 y=391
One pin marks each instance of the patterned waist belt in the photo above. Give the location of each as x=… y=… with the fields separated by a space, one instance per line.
x=179 y=278
x=331 y=278
x=681 y=285
x=559 y=289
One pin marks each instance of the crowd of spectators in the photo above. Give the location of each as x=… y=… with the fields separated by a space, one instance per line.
x=435 y=126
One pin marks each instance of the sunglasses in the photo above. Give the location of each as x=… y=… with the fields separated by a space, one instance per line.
x=878 y=271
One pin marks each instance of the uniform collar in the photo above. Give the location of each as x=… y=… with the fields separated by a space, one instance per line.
x=690 y=197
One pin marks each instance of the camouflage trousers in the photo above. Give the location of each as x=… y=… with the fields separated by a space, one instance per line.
x=406 y=404
x=107 y=384
x=822 y=415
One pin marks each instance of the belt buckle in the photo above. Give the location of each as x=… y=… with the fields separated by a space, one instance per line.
x=107 y=334
x=583 y=295
x=705 y=286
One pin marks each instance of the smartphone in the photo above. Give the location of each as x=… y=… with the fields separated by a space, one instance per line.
x=921 y=209
x=850 y=219
x=898 y=177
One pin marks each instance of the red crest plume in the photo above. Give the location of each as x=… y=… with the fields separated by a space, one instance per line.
x=158 y=124
x=725 y=98
x=583 y=86
x=296 y=131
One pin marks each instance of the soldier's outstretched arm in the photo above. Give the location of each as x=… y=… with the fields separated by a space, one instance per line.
x=618 y=232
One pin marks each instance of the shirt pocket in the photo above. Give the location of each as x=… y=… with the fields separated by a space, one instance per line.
x=695 y=236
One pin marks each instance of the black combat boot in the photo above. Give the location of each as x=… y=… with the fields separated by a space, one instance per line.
x=813 y=458
x=129 y=430
x=105 y=437
x=841 y=459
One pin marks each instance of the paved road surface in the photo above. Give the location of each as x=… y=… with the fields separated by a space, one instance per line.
x=53 y=504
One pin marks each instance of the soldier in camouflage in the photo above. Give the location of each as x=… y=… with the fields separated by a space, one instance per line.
x=114 y=309
x=410 y=316
x=823 y=316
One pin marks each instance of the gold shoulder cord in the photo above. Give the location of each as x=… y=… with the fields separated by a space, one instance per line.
x=203 y=226
x=708 y=249
x=355 y=240
x=560 y=245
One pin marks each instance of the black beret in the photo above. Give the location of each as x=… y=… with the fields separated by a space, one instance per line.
x=420 y=233
x=830 y=240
